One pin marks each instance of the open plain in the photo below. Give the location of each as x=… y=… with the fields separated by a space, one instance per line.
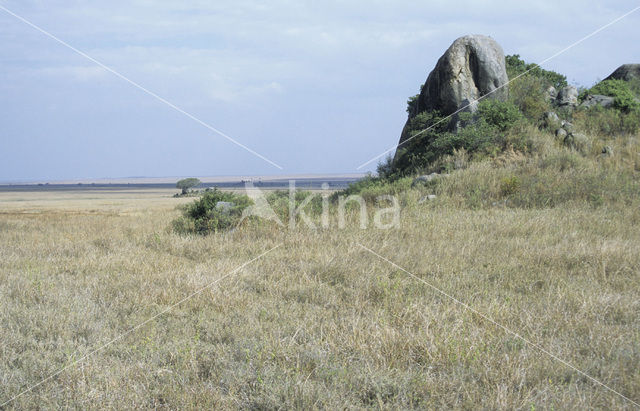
x=318 y=322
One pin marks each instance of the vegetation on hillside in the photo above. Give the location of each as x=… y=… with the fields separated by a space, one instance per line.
x=482 y=134
x=504 y=155
x=518 y=67
x=625 y=94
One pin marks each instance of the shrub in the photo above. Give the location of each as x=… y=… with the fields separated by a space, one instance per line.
x=499 y=114
x=485 y=133
x=412 y=102
x=385 y=168
x=517 y=66
x=415 y=154
x=529 y=94
x=204 y=216
x=634 y=86
x=509 y=185
x=623 y=98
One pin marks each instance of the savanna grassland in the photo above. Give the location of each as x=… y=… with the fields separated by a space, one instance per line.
x=319 y=322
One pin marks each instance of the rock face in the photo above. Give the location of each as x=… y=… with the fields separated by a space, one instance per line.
x=626 y=72
x=472 y=67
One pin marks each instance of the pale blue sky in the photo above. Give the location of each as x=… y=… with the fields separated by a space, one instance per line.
x=317 y=87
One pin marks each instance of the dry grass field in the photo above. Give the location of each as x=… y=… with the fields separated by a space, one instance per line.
x=318 y=322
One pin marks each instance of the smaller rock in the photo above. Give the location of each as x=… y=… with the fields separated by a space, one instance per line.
x=577 y=141
x=551 y=116
x=426 y=198
x=551 y=120
x=551 y=94
x=561 y=133
x=224 y=206
x=567 y=126
x=597 y=100
x=426 y=178
x=568 y=96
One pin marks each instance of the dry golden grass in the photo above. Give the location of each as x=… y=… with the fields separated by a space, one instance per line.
x=318 y=322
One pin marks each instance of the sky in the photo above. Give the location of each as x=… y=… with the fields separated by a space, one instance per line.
x=314 y=87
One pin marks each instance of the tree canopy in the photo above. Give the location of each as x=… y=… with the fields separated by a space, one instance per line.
x=186 y=183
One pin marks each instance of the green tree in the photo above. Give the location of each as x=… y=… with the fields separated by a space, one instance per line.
x=186 y=183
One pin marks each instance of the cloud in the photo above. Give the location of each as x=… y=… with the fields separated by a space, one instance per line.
x=75 y=73
x=330 y=76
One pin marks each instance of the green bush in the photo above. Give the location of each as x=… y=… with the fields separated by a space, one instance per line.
x=203 y=216
x=529 y=94
x=412 y=102
x=623 y=98
x=509 y=185
x=634 y=86
x=485 y=133
x=516 y=66
x=499 y=114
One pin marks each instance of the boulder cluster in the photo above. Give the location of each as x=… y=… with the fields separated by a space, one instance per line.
x=565 y=132
x=567 y=98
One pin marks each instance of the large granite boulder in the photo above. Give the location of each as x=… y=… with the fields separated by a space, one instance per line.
x=472 y=67
x=626 y=72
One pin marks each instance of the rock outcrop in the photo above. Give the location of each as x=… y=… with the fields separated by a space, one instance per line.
x=551 y=94
x=565 y=132
x=472 y=67
x=568 y=96
x=626 y=72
